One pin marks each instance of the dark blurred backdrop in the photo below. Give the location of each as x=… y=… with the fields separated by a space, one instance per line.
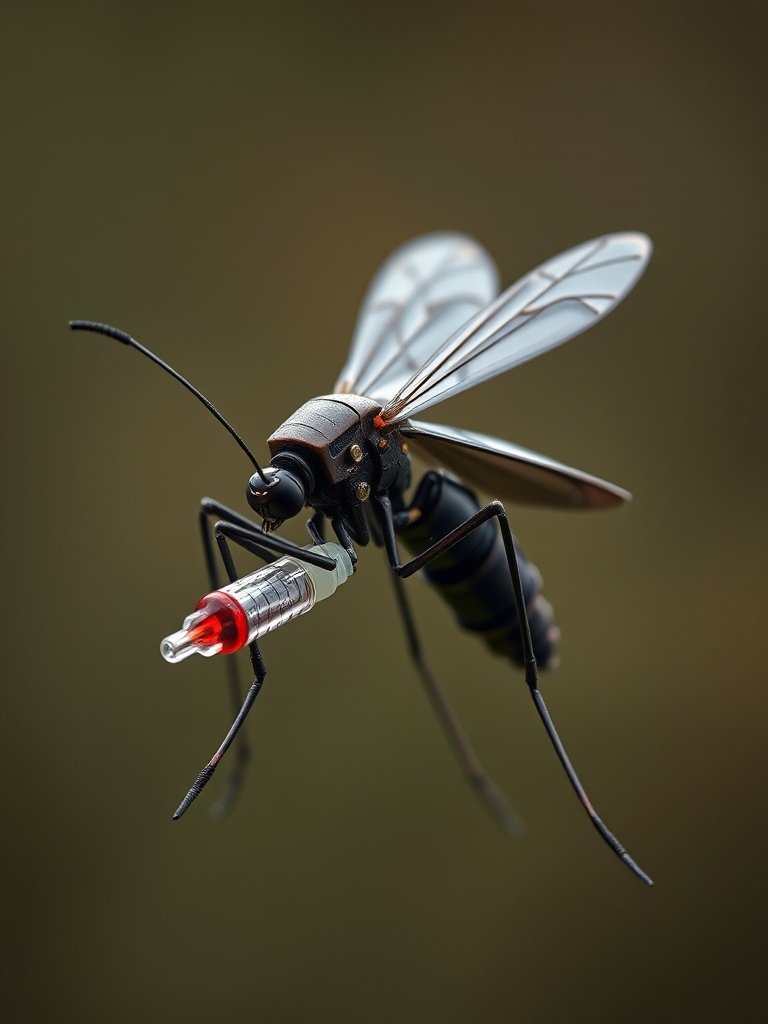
x=223 y=180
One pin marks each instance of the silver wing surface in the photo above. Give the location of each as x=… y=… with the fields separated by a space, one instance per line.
x=505 y=470
x=549 y=306
x=424 y=292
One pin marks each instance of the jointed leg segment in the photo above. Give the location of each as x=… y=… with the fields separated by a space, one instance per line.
x=495 y=510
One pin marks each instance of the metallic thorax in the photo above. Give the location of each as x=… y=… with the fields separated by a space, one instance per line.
x=334 y=443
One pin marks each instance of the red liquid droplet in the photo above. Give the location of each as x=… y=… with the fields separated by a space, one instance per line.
x=225 y=623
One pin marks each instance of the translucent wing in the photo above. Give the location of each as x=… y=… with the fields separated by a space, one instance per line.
x=505 y=470
x=550 y=305
x=424 y=292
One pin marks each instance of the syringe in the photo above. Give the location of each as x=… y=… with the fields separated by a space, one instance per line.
x=228 y=619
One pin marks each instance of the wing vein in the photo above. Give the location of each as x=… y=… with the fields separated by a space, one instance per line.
x=454 y=345
x=430 y=326
x=442 y=270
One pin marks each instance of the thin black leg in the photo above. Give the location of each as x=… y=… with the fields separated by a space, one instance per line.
x=231 y=790
x=251 y=537
x=316 y=528
x=469 y=763
x=495 y=510
x=232 y=786
x=241 y=531
x=341 y=532
x=259 y=671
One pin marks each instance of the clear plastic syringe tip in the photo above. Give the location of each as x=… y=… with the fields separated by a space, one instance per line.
x=196 y=637
x=177 y=646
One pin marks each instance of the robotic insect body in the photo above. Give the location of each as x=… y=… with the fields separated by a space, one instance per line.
x=429 y=328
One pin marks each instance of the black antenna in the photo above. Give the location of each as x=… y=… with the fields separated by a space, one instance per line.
x=126 y=339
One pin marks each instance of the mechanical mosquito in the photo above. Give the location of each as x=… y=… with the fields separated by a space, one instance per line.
x=431 y=326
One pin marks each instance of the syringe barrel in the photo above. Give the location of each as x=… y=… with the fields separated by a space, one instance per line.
x=231 y=617
x=273 y=595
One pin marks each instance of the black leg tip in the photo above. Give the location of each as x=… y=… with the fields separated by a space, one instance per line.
x=195 y=791
x=637 y=870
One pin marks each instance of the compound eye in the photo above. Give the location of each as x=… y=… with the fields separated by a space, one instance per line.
x=277 y=495
x=286 y=498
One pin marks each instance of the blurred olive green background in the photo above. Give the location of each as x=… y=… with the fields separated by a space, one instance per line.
x=223 y=180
